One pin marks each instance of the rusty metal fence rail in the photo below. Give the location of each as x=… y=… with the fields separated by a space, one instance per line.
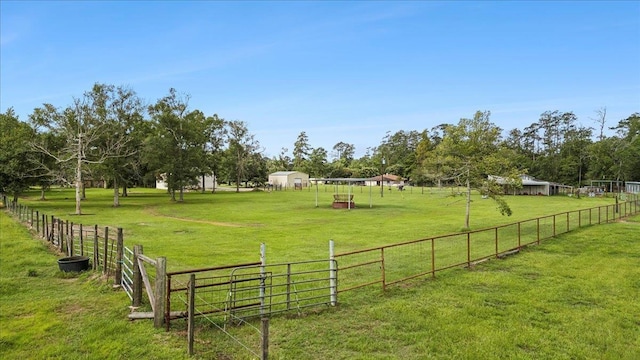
x=392 y=264
x=239 y=292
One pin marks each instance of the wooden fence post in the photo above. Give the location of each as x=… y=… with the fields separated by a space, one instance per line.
x=137 y=277
x=468 y=249
x=119 y=255
x=70 y=238
x=191 y=301
x=52 y=234
x=105 y=258
x=60 y=234
x=433 y=258
x=96 y=250
x=81 y=241
x=382 y=270
x=160 y=292
x=264 y=340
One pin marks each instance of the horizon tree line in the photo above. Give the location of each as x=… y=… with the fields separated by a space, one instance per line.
x=110 y=134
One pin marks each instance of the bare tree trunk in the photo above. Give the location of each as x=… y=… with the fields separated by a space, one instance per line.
x=203 y=178
x=116 y=193
x=42 y=192
x=181 y=193
x=125 y=193
x=79 y=176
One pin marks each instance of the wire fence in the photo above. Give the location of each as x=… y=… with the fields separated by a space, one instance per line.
x=103 y=246
x=242 y=294
x=396 y=263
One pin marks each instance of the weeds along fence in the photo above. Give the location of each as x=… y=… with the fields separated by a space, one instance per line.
x=396 y=263
x=102 y=245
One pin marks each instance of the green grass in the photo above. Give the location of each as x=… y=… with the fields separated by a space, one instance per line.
x=47 y=314
x=573 y=297
x=227 y=228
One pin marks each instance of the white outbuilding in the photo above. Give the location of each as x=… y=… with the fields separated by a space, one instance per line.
x=632 y=187
x=208 y=181
x=289 y=179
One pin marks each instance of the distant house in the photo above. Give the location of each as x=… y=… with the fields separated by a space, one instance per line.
x=289 y=179
x=386 y=179
x=209 y=182
x=532 y=186
x=632 y=187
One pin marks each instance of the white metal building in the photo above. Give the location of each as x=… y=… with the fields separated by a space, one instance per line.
x=289 y=179
x=632 y=187
x=532 y=186
x=209 y=182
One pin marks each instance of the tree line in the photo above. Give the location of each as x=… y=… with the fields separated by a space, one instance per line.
x=110 y=134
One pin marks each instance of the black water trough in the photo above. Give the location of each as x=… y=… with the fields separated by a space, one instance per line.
x=73 y=263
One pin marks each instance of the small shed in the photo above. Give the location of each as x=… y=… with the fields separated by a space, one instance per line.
x=289 y=179
x=632 y=187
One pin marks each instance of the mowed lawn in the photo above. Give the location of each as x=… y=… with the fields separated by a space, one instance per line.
x=572 y=297
x=228 y=227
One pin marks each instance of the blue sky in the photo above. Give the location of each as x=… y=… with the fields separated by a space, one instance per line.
x=340 y=71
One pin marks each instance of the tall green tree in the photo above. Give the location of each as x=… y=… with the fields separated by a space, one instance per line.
x=241 y=151
x=301 y=151
x=177 y=144
x=16 y=156
x=627 y=160
x=399 y=151
x=575 y=155
x=424 y=148
x=471 y=154
x=318 y=163
x=344 y=153
x=281 y=163
x=121 y=114
x=214 y=149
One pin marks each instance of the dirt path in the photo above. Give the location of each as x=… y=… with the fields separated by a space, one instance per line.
x=152 y=211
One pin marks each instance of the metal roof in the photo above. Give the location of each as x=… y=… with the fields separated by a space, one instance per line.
x=280 y=173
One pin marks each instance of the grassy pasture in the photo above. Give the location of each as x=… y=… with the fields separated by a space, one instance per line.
x=573 y=297
x=227 y=227
x=45 y=314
